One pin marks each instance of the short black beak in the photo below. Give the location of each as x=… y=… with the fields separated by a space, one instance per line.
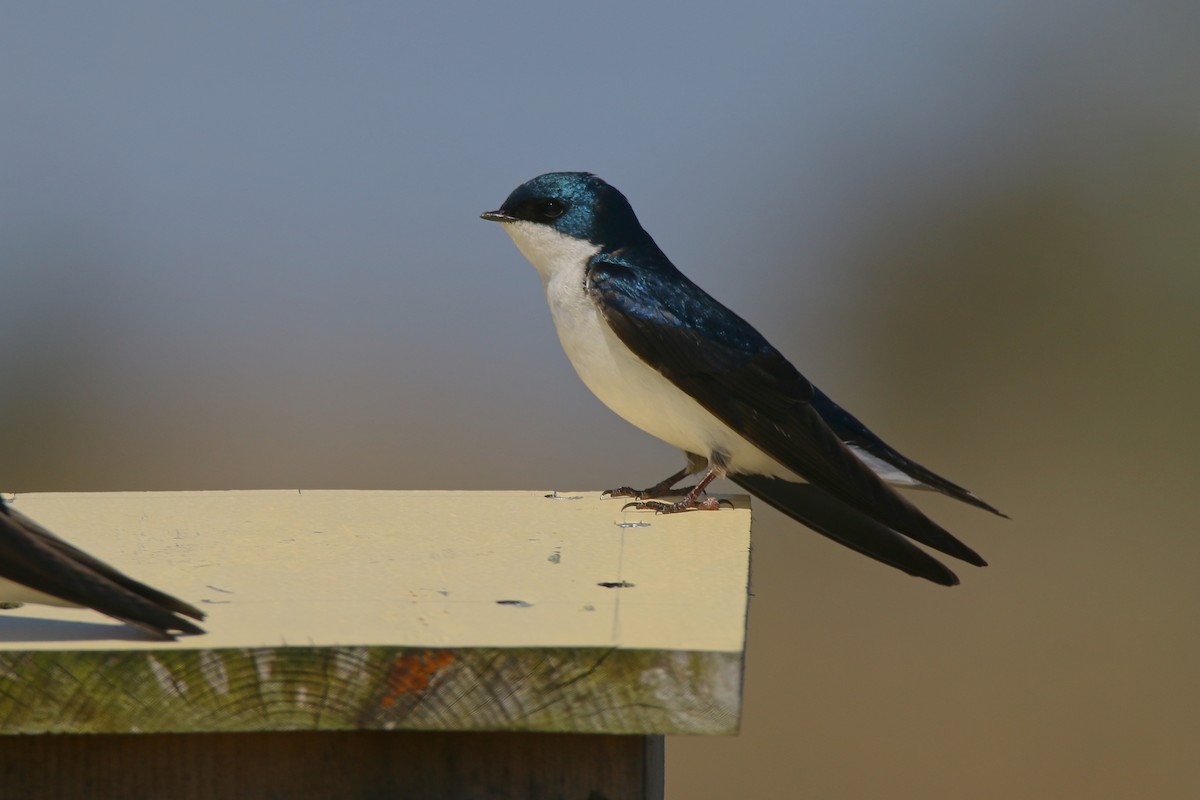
x=497 y=216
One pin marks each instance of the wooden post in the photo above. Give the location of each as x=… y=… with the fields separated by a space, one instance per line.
x=370 y=644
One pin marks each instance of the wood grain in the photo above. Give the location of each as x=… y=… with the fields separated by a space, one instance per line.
x=391 y=611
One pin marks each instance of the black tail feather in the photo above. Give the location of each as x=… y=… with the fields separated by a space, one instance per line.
x=833 y=518
x=35 y=557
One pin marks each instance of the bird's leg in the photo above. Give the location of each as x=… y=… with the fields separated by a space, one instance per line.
x=663 y=487
x=690 y=502
x=659 y=489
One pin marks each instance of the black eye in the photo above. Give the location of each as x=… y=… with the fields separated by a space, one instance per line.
x=552 y=209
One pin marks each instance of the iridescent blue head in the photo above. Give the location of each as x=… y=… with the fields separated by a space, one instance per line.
x=576 y=204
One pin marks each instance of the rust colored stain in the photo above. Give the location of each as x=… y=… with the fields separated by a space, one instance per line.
x=412 y=673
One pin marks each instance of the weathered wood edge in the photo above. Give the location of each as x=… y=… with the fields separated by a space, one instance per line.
x=611 y=691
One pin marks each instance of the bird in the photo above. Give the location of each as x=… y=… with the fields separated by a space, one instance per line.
x=669 y=358
x=38 y=567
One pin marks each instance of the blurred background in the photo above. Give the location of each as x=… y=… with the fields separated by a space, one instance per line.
x=240 y=248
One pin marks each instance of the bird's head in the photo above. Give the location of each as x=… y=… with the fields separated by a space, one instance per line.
x=565 y=215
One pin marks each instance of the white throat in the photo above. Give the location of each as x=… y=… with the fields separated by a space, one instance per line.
x=549 y=251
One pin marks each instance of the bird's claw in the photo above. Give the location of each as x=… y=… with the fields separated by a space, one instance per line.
x=661 y=490
x=658 y=507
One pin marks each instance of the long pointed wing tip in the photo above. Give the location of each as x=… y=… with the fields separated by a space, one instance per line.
x=188 y=629
x=945 y=576
x=976 y=501
x=942 y=577
x=169 y=633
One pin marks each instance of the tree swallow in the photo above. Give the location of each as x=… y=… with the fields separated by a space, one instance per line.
x=38 y=567
x=670 y=359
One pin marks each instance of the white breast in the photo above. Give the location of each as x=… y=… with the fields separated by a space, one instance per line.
x=622 y=381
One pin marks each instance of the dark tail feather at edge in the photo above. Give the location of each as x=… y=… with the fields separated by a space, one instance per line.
x=830 y=517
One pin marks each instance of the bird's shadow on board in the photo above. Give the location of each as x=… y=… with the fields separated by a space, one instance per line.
x=26 y=629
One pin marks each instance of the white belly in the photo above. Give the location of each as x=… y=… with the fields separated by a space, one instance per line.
x=635 y=391
x=622 y=381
